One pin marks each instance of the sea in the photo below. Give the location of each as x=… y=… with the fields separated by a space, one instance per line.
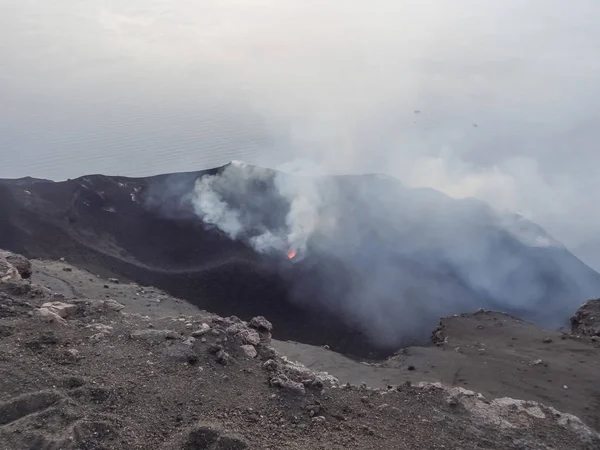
x=129 y=88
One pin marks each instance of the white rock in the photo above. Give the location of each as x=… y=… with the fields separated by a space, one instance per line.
x=49 y=316
x=64 y=310
x=250 y=337
x=8 y=272
x=249 y=351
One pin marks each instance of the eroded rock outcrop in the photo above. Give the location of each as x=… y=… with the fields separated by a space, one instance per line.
x=19 y=262
x=586 y=321
x=8 y=272
x=507 y=413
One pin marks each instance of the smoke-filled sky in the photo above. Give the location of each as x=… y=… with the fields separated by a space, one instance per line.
x=498 y=100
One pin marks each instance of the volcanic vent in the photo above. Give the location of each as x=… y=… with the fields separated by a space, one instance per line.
x=360 y=263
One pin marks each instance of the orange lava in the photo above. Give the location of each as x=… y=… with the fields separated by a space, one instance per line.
x=291 y=254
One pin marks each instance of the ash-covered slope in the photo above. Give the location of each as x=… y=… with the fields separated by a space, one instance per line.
x=140 y=230
x=83 y=373
x=377 y=263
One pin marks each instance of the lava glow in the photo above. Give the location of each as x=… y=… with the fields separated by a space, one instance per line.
x=291 y=254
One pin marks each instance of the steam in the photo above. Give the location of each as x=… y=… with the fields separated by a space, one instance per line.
x=213 y=210
x=390 y=260
x=266 y=209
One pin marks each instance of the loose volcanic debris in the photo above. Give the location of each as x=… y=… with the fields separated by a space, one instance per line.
x=98 y=378
x=586 y=320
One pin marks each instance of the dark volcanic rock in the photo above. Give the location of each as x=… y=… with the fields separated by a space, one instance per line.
x=586 y=320
x=396 y=262
x=261 y=324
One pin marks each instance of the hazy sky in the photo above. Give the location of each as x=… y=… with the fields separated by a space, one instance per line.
x=508 y=93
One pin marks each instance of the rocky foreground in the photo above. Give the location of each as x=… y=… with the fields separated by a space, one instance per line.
x=81 y=373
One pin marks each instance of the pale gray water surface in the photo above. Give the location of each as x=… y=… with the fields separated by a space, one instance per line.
x=100 y=87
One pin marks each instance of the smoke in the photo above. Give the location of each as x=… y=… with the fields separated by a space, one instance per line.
x=265 y=208
x=213 y=210
x=389 y=259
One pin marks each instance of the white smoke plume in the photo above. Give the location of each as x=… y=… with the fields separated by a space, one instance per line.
x=247 y=202
x=213 y=210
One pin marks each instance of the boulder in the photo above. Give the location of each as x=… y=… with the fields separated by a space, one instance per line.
x=61 y=309
x=95 y=306
x=8 y=272
x=223 y=357
x=244 y=334
x=249 y=351
x=261 y=324
x=38 y=291
x=299 y=372
x=283 y=382
x=19 y=262
x=249 y=337
x=48 y=315
x=586 y=320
